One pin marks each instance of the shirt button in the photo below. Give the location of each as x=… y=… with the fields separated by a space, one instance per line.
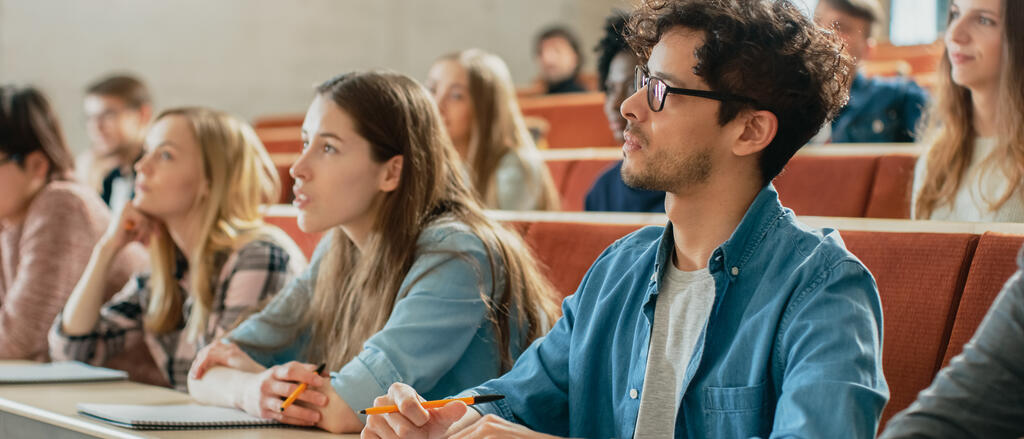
x=735 y=271
x=633 y=394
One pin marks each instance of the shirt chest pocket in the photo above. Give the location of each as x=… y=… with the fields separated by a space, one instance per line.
x=736 y=411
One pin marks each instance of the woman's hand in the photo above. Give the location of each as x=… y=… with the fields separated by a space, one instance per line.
x=132 y=225
x=267 y=390
x=222 y=353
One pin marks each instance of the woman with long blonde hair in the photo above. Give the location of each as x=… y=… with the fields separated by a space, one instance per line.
x=413 y=283
x=200 y=185
x=975 y=167
x=474 y=92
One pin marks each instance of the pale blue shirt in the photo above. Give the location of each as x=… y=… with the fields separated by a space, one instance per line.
x=438 y=339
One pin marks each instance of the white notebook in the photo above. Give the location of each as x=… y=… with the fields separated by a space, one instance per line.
x=58 y=372
x=173 y=417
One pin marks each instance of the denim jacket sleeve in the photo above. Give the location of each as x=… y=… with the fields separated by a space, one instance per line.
x=536 y=389
x=440 y=310
x=830 y=357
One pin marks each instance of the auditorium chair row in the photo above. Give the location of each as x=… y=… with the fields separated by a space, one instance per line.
x=936 y=280
x=573 y=120
x=841 y=181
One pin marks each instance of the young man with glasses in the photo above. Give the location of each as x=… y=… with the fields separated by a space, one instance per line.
x=734 y=320
x=118 y=110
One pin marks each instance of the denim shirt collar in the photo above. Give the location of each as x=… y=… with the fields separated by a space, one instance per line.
x=732 y=254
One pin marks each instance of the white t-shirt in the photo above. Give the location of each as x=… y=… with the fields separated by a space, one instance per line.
x=684 y=302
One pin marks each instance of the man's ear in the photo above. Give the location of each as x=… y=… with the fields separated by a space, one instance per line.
x=37 y=165
x=759 y=129
x=392 y=174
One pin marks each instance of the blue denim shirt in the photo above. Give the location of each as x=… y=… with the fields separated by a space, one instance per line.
x=792 y=347
x=881 y=110
x=438 y=339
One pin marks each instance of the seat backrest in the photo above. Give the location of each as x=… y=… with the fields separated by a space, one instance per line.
x=994 y=262
x=890 y=193
x=576 y=120
x=920 y=278
x=566 y=251
x=579 y=180
x=827 y=185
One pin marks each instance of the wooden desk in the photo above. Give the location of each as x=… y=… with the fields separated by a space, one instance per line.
x=49 y=411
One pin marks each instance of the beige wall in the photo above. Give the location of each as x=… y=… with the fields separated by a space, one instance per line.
x=254 y=57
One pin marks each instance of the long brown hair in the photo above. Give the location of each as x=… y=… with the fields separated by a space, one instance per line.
x=29 y=124
x=499 y=127
x=951 y=130
x=356 y=291
x=241 y=177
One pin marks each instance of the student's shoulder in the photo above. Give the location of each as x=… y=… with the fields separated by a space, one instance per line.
x=811 y=248
x=634 y=245
x=263 y=252
x=449 y=234
x=896 y=88
x=70 y=201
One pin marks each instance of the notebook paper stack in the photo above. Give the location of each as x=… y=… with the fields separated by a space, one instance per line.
x=173 y=417
x=57 y=372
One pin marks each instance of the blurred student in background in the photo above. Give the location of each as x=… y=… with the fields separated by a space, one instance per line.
x=558 y=54
x=616 y=64
x=881 y=110
x=975 y=166
x=48 y=225
x=474 y=92
x=117 y=109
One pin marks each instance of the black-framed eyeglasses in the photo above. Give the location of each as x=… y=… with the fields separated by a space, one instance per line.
x=657 y=90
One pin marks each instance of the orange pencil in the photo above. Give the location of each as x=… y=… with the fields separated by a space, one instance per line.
x=295 y=395
x=479 y=399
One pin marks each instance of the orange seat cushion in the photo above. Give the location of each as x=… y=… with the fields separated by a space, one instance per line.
x=890 y=195
x=580 y=179
x=827 y=185
x=920 y=278
x=994 y=262
x=566 y=251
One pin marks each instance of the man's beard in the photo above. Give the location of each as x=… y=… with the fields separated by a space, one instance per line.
x=669 y=173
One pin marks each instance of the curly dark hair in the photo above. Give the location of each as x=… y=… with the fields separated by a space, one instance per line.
x=611 y=44
x=767 y=50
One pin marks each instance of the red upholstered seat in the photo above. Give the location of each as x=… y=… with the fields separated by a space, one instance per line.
x=827 y=185
x=890 y=194
x=920 y=277
x=579 y=180
x=576 y=120
x=565 y=251
x=994 y=262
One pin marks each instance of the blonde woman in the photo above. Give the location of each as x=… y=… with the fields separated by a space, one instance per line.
x=412 y=284
x=200 y=185
x=474 y=91
x=974 y=169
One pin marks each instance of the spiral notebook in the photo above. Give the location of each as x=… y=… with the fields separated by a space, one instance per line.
x=57 y=372
x=173 y=417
